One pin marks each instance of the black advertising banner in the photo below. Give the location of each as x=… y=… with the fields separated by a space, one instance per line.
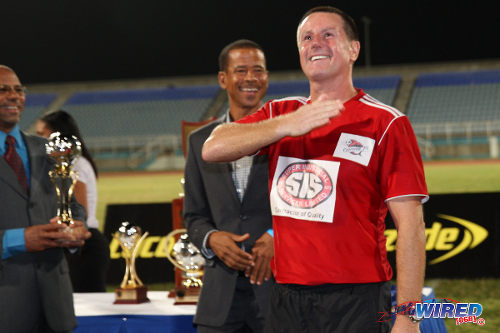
x=152 y=264
x=462 y=236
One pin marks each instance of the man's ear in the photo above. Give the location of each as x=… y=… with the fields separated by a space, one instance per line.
x=222 y=79
x=354 y=48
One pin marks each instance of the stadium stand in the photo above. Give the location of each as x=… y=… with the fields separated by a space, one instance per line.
x=122 y=113
x=137 y=124
x=456 y=97
x=133 y=124
x=458 y=113
x=34 y=108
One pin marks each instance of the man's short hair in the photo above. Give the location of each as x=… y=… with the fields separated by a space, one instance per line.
x=350 y=28
x=239 y=44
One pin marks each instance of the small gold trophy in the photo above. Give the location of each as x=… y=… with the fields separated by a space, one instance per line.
x=132 y=290
x=63 y=151
x=188 y=259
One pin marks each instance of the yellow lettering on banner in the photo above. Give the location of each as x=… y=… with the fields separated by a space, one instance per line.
x=446 y=238
x=114 y=249
x=145 y=250
x=391 y=237
x=160 y=249
x=431 y=236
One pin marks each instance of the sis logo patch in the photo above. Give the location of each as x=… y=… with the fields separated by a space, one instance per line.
x=304 y=189
x=304 y=185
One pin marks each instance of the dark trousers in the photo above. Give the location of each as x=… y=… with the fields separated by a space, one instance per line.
x=332 y=308
x=88 y=267
x=244 y=315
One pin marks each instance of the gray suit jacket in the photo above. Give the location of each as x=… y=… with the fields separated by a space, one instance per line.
x=34 y=281
x=211 y=202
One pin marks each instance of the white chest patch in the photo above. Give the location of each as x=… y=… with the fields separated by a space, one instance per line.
x=355 y=148
x=304 y=189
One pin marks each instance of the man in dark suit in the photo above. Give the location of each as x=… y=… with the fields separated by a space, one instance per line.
x=226 y=208
x=35 y=288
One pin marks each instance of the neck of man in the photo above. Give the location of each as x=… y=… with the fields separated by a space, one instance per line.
x=7 y=127
x=338 y=87
x=237 y=112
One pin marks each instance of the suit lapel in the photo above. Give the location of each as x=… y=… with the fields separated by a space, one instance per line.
x=8 y=176
x=256 y=172
x=37 y=157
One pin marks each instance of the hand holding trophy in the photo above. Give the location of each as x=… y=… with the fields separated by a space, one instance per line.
x=63 y=151
x=188 y=259
x=132 y=290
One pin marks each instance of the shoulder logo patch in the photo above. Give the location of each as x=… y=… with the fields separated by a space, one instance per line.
x=355 y=148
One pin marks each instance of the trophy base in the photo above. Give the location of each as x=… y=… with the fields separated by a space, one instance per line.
x=131 y=295
x=185 y=296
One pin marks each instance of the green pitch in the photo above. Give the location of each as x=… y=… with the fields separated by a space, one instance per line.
x=163 y=187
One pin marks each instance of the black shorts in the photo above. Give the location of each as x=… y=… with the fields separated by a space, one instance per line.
x=342 y=308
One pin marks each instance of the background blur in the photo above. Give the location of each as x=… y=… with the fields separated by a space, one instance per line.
x=130 y=72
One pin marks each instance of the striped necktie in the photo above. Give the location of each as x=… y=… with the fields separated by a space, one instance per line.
x=15 y=162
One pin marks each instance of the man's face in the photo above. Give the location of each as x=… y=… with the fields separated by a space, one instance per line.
x=245 y=78
x=11 y=103
x=324 y=49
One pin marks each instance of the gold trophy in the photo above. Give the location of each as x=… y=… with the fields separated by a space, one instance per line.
x=63 y=151
x=189 y=262
x=132 y=290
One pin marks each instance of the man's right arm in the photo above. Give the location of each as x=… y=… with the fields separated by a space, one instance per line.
x=229 y=142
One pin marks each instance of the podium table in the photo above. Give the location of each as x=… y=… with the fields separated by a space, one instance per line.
x=96 y=313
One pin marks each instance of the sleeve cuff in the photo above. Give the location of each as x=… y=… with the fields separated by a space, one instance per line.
x=13 y=243
x=270 y=232
x=208 y=253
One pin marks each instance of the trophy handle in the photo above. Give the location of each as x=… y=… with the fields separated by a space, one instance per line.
x=74 y=178
x=133 y=273
x=58 y=192
x=168 y=248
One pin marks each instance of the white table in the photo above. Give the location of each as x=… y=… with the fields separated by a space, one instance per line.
x=96 y=313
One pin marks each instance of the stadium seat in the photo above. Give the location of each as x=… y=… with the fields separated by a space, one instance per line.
x=34 y=107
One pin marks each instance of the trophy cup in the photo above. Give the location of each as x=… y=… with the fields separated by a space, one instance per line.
x=188 y=259
x=132 y=290
x=63 y=151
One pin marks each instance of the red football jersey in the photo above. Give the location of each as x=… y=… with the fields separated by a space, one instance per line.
x=328 y=190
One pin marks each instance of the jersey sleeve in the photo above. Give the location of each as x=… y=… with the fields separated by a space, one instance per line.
x=401 y=169
x=259 y=115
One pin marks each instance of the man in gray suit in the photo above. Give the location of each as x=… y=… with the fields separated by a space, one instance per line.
x=226 y=208
x=35 y=289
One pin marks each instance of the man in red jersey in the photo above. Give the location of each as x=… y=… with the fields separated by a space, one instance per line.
x=338 y=161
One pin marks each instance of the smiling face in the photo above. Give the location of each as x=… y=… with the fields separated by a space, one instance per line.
x=11 y=103
x=325 y=50
x=245 y=80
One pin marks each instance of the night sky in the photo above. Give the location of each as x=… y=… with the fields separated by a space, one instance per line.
x=57 y=41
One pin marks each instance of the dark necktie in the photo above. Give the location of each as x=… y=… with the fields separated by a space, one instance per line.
x=15 y=162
